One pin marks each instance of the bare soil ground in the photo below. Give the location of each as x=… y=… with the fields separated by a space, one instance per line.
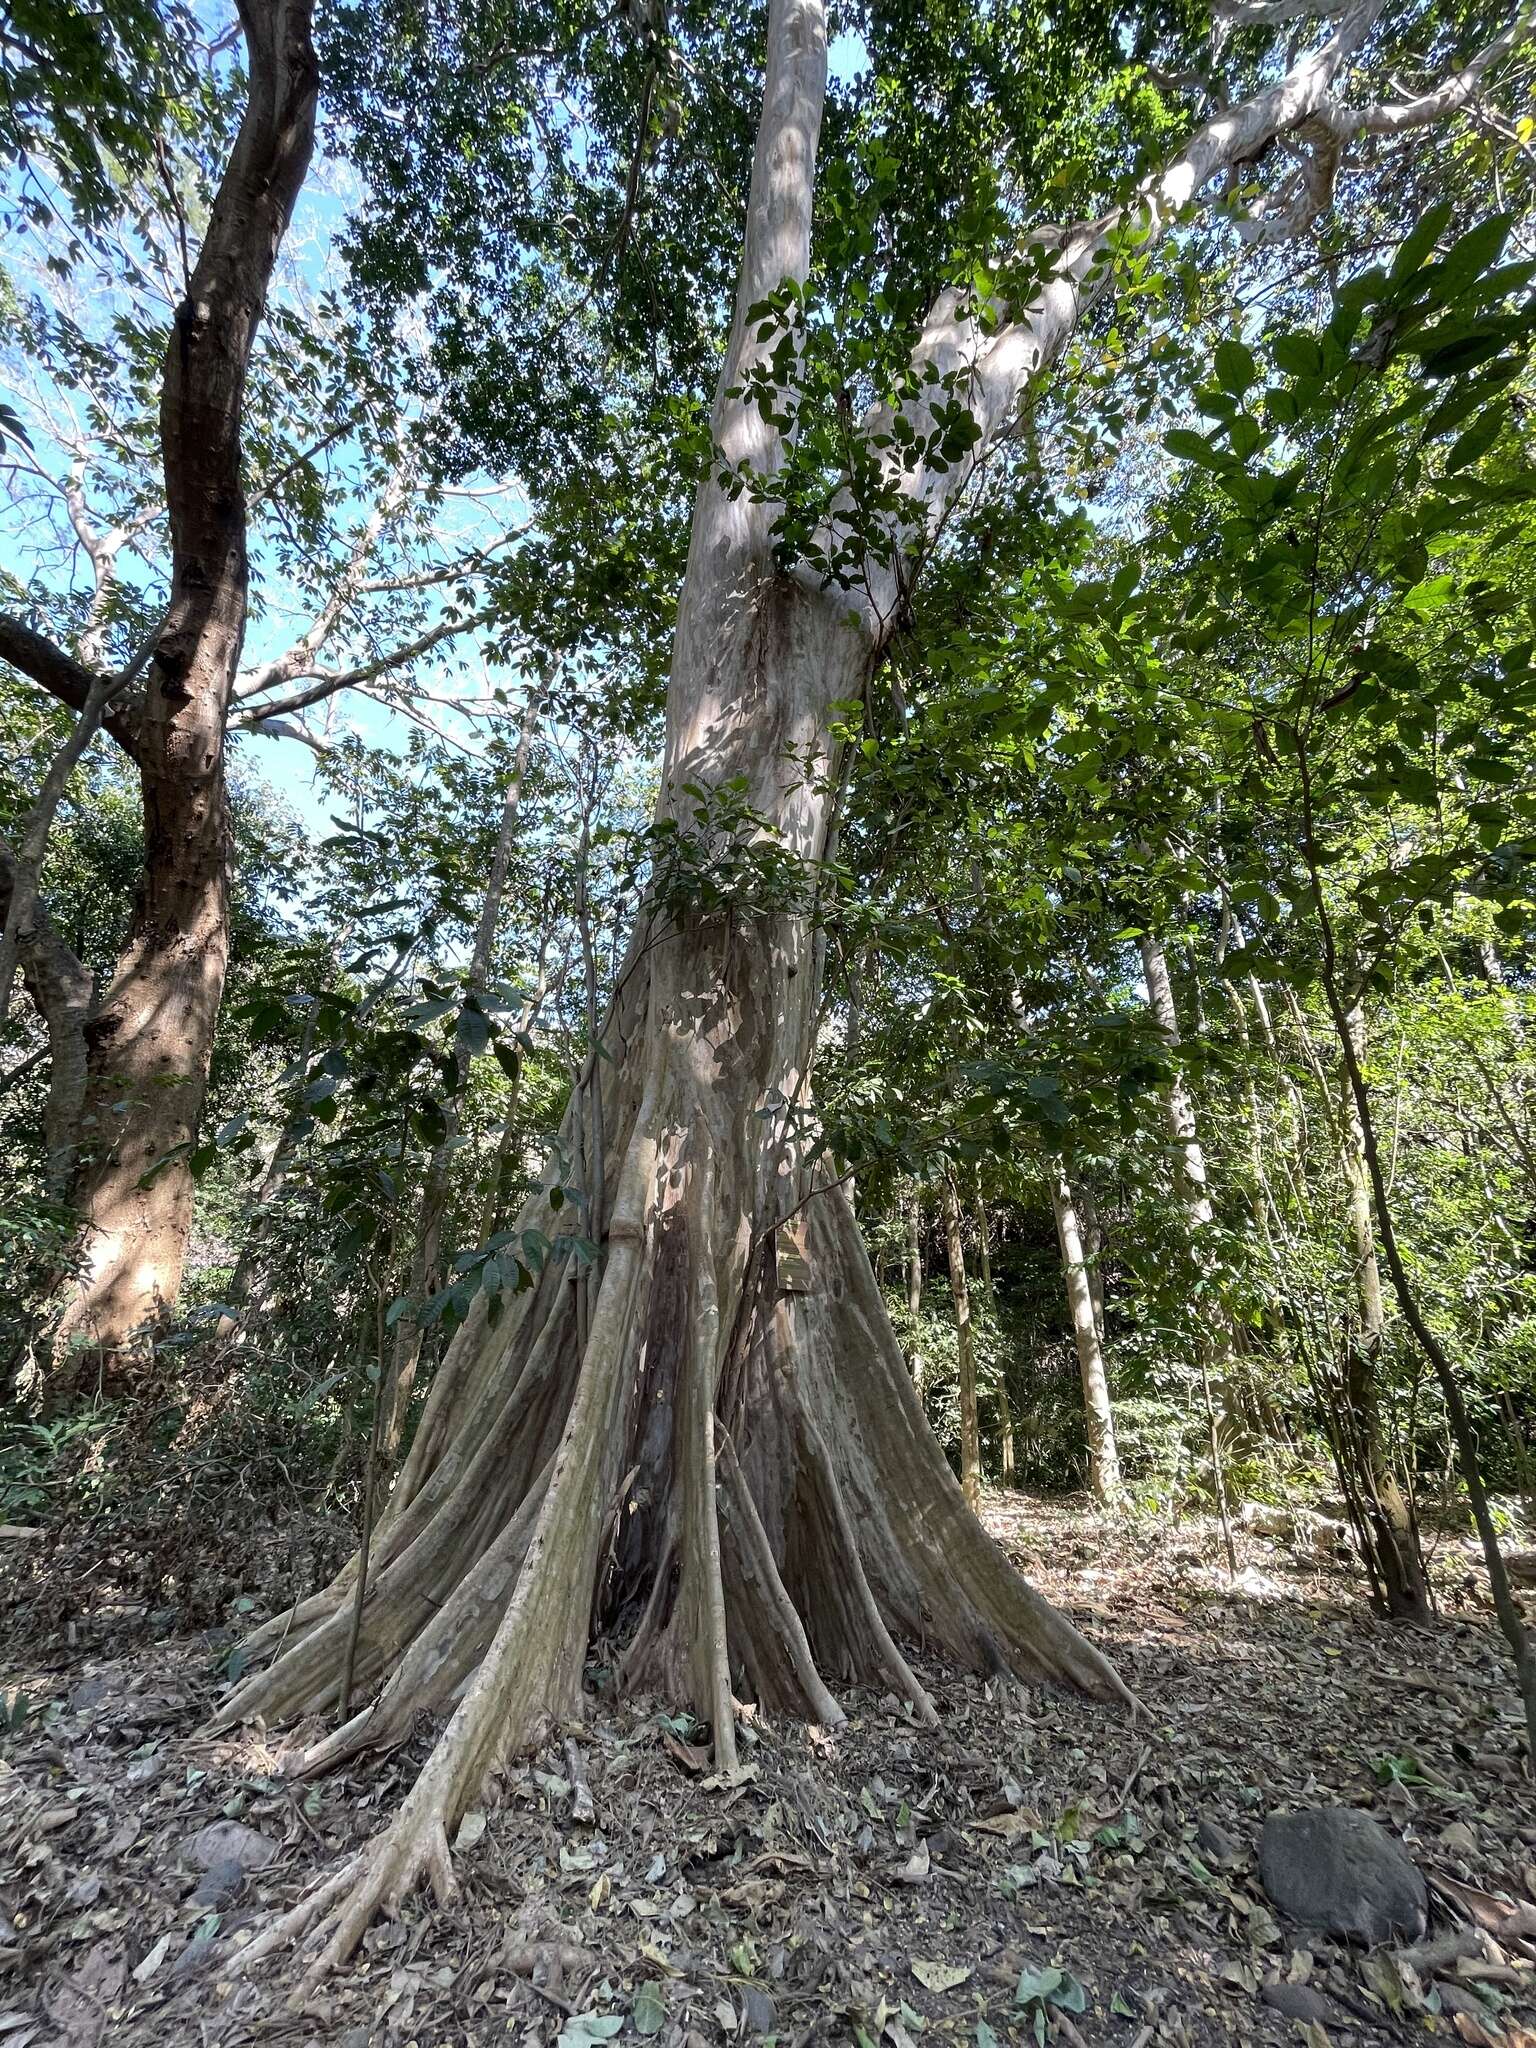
x=1039 y=1868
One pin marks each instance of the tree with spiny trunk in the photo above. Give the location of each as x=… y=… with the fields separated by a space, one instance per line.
x=696 y=1446
x=150 y=1036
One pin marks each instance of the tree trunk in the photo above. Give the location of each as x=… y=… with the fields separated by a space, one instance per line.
x=1092 y=1233
x=730 y=1475
x=1188 y=1153
x=151 y=1039
x=62 y=991
x=1103 y=1457
x=915 y=1279
x=426 y=1252
x=1391 y=1532
x=965 y=1348
x=1511 y=1619
x=1004 y=1409
x=1215 y=1338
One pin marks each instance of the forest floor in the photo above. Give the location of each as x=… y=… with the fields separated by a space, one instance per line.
x=881 y=1885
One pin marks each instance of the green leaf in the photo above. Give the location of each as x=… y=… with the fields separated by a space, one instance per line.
x=1235 y=366
x=1430 y=595
x=650 y=2009
x=1192 y=447
x=583 y=2028
x=1298 y=355
x=1420 y=242
x=1036 y=1984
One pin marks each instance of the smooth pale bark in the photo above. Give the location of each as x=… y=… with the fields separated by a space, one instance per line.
x=1104 y=1478
x=1092 y=1233
x=1215 y=1339
x=151 y=1038
x=965 y=1348
x=1178 y=1104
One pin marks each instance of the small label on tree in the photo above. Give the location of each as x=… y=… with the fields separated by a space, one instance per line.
x=794 y=1260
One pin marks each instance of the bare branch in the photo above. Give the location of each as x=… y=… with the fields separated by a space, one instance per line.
x=330 y=681
x=1451 y=95
x=956 y=357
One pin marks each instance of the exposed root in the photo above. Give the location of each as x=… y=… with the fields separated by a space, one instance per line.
x=298 y=1921
x=565 y=1486
x=892 y=1662
x=762 y=1603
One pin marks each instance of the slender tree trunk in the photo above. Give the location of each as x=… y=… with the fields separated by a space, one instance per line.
x=1004 y=1407
x=151 y=1038
x=1215 y=1336
x=1188 y=1152
x=1092 y=1233
x=1104 y=1478
x=62 y=991
x=1511 y=1621
x=965 y=1348
x=1394 y=1533
x=426 y=1253
x=1379 y=1508
x=915 y=1278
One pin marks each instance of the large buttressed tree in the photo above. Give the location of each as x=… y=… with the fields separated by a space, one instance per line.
x=693 y=1446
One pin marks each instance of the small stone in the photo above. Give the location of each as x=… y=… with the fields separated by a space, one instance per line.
x=226 y=1844
x=217 y=1882
x=1460 y=1838
x=761 y=2013
x=1299 y=2002
x=1338 y=1869
x=1216 y=1845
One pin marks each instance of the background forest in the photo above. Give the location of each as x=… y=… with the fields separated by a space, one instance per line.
x=1166 y=961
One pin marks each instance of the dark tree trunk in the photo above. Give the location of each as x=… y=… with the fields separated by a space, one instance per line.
x=152 y=1037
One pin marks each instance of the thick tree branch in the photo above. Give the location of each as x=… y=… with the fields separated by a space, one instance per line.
x=957 y=358
x=44 y=662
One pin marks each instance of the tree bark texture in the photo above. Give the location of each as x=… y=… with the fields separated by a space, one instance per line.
x=151 y=1038
x=1390 y=1530
x=965 y=1349
x=1104 y=1478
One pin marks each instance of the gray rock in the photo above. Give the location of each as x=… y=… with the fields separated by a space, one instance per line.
x=1336 y=1868
x=762 y=2015
x=1300 y=2002
x=226 y=1844
x=1216 y=1845
x=218 y=1882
